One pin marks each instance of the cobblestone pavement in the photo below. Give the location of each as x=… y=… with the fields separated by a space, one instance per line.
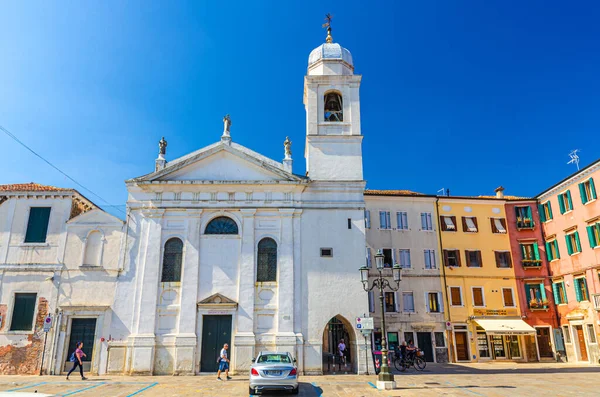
x=495 y=379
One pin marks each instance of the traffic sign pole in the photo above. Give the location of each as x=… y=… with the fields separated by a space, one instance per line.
x=47 y=327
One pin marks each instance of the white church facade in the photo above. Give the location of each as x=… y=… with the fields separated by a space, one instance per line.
x=222 y=245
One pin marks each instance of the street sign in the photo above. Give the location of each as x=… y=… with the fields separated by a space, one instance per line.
x=364 y=323
x=366 y=332
x=47 y=323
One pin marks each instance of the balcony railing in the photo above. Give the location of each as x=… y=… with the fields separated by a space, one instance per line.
x=596 y=299
x=524 y=223
x=531 y=263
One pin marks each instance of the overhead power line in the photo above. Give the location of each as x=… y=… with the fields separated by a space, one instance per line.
x=11 y=135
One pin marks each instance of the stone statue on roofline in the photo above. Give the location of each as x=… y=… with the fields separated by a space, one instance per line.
x=287 y=144
x=162 y=146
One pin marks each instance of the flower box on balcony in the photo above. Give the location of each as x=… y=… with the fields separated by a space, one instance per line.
x=531 y=262
x=536 y=304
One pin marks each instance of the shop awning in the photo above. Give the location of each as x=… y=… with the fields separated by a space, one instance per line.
x=502 y=326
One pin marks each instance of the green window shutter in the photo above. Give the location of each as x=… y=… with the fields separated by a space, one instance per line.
x=555 y=293
x=523 y=255
x=23 y=309
x=549 y=209
x=548 y=252
x=542 y=212
x=577 y=242
x=527 y=294
x=585 y=288
x=543 y=291
x=593 y=188
x=37 y=226
x=582 y=193
x=564 y=297
x=561 y=203
x=578 y=294
x=536 y=250
x=569 y=245
x=530 y=215
x=569 y=201
x=591 y=237
x=557 y=251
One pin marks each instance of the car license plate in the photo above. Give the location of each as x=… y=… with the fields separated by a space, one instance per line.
x=275 y=373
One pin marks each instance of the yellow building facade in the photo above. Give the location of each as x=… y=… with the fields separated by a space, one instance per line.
x=484 y=318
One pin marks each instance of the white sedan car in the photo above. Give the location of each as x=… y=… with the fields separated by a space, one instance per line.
x=273 y=371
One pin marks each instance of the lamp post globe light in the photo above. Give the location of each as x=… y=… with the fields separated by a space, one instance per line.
x=385 y=379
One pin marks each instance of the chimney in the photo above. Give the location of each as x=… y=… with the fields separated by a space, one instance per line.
x=499 y=192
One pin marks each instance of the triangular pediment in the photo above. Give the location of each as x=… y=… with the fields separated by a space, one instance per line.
x=217 y=299
x=222 y=162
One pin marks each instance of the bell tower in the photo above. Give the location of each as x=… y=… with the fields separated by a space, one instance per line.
x=333 y=149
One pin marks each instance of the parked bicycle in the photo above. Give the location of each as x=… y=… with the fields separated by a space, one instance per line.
x=411 y=359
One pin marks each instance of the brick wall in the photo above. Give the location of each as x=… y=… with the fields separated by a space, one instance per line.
x=25 y=360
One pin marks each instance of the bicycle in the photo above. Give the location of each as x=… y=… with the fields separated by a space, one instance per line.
x=412 y=359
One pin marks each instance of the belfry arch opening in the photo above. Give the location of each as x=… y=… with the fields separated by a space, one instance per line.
x=336 y=330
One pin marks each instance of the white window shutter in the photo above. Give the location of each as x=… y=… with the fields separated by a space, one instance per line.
x=381 y=220
x=427 y=301
x=393 y=257
x=388 y=220
x=367 y=219
x=368 y=257
x=440 y=302
x=396 y=302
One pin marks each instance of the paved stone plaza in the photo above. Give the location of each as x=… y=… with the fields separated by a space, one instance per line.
x=495 y=379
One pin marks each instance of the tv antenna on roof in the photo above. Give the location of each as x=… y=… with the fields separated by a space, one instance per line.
x=574 y=158
x=443 y=190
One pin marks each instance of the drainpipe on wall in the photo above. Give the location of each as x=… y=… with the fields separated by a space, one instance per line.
x=443 y=266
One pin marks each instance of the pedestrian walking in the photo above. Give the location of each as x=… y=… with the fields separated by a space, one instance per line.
x=342 y=351
x=76 y=357
x=223 y=363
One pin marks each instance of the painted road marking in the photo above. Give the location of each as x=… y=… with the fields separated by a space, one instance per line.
x=27 y=387
x=141 y=390
x=372 y=385
x=465 y=389
x=84 y=389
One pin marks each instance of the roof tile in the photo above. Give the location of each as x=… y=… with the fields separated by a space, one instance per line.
x=31 y=187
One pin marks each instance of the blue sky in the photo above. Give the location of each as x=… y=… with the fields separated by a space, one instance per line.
x=466 y=95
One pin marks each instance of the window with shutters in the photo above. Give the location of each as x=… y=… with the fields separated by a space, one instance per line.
x=559 y=292
x=37 y=226
x=221 y=225
x=368 y=254
x=388 y=257
x=545 y=211
x=426 y=221
x=440 y=341
x=469 y=224
x=508 y=297
x=581 y=290
x=408 y=302
x=552 y=251
x=591 y=333
x=478 y=298
x=430 y=262
x=390 y=302
x=593 y=232
x=473 y=258
x=573 y=243
x=564 y=202
x=452 y=258
x=385 y=222
x=524 y=217
x=404 y=258
x=587 y=191
x=402 y=220
x=503 y=259
x=23 y=311
x=455 y=296
x=498 y=225
x=433 y=302
x=367 y=219
x=536 y=296
x=266 y=268
x=172 y=259
x=530 y=254
x=448 y=223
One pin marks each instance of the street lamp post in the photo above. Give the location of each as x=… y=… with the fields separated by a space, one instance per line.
x=385 y=379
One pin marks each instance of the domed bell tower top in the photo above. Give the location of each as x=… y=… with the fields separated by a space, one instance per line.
x=331 y=99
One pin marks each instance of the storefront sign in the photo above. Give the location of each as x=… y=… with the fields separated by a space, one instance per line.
x=499 y=312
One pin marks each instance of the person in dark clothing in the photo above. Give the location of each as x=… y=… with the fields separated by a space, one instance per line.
x=76 y=357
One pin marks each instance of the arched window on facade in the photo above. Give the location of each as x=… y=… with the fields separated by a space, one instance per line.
x=93 y=249
x=172 y=258
x=221 y=225
x=266 y=269
x=334 y=109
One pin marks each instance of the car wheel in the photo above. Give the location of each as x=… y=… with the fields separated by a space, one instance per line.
x=296 y=390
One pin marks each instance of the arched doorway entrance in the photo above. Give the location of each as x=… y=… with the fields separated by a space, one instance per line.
x=339 y=328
